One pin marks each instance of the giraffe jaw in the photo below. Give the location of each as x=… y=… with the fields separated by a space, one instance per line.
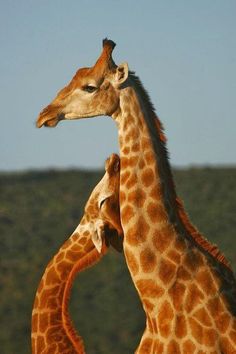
x=52 y=122
x=71 y=116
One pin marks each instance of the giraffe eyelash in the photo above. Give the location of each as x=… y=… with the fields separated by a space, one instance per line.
x=89 y=88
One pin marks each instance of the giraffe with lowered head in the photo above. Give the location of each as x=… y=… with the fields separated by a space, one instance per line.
x=186 y=285
x=52 y=330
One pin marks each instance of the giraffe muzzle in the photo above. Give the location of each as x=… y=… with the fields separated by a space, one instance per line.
x=48 y=121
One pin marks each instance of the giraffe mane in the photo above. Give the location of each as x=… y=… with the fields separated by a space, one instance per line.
x=173 y=204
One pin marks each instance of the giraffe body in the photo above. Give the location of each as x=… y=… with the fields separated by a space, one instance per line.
x=52 y=330
x=186 y=286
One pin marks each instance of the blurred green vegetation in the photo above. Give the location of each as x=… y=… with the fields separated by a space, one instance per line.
x=39 y=210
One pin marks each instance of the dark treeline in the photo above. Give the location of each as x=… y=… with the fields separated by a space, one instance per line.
x=39 y=210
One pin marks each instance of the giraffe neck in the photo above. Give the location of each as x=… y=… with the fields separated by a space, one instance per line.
x=147 y=196
x=52 y=329
x=164 y=252
x=143 y=151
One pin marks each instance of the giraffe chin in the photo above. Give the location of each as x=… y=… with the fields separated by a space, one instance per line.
x=51 y=123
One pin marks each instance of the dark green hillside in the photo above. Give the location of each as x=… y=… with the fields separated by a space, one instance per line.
x=39 y=210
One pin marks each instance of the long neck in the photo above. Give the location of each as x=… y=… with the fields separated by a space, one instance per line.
x=147 y=187
x=147 y=195
x=52 y=330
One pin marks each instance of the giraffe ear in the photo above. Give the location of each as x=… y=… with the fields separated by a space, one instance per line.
x=112 y=165
x=97 y=241
x=121 y=74
x=98 y=235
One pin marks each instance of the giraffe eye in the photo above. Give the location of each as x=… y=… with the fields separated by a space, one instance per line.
x=89 y=88
x=101 y=203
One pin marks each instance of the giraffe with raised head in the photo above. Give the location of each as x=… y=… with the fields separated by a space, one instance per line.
x=52 y=330
x=186 y=285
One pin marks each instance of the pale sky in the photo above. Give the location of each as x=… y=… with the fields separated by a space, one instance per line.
x=183 y=51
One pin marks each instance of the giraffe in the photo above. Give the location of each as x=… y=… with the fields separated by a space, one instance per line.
x=52 y=330
x=186 y=285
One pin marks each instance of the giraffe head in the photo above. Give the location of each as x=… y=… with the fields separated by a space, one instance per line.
x=92 y=91
x=102 y=215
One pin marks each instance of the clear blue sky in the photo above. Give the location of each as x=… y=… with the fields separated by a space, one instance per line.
x=183 y=51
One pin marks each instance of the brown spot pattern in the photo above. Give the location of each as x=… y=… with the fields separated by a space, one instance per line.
x=197 y=330
x=127 y=213
x=60 y=256
x=223 y=322
x=124 y=162
x=158 y=347
x=177 y=292
x=137 y=197
x=148 y=288
x=173 y=347
x=40 y=344
x=188 y=347
x=156 y=212
x=233 y=336
x=180 y=244
x=72 y=256
x=135 y=147
x=174 y=256
x=156 y=193
x=162 y=238
x=203 y=335
x=145 y=144
x=183 y=274
x=43 y=322
x=180 y=326
x=193 y=260
x=148 y=305
x=226 y=346
x=85 y=234
x=210 y=337
x=147 y=177
x=132 y=135
x=124 y=177
x=141 y=164
x=194 y=297
x=126 y=150
x=63 y=268
x=82 y=241
x=167 y=271
x=165 y=317
x=203 y=317
x=132 y=161
x=147 y=260
x=131 y=181
x=206 y=282
x=55 y=317
x=138 y=233
x=54 y=334
x=146 y=346
x=149 y=157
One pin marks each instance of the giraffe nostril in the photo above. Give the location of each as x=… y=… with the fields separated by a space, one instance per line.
x=60 y=116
